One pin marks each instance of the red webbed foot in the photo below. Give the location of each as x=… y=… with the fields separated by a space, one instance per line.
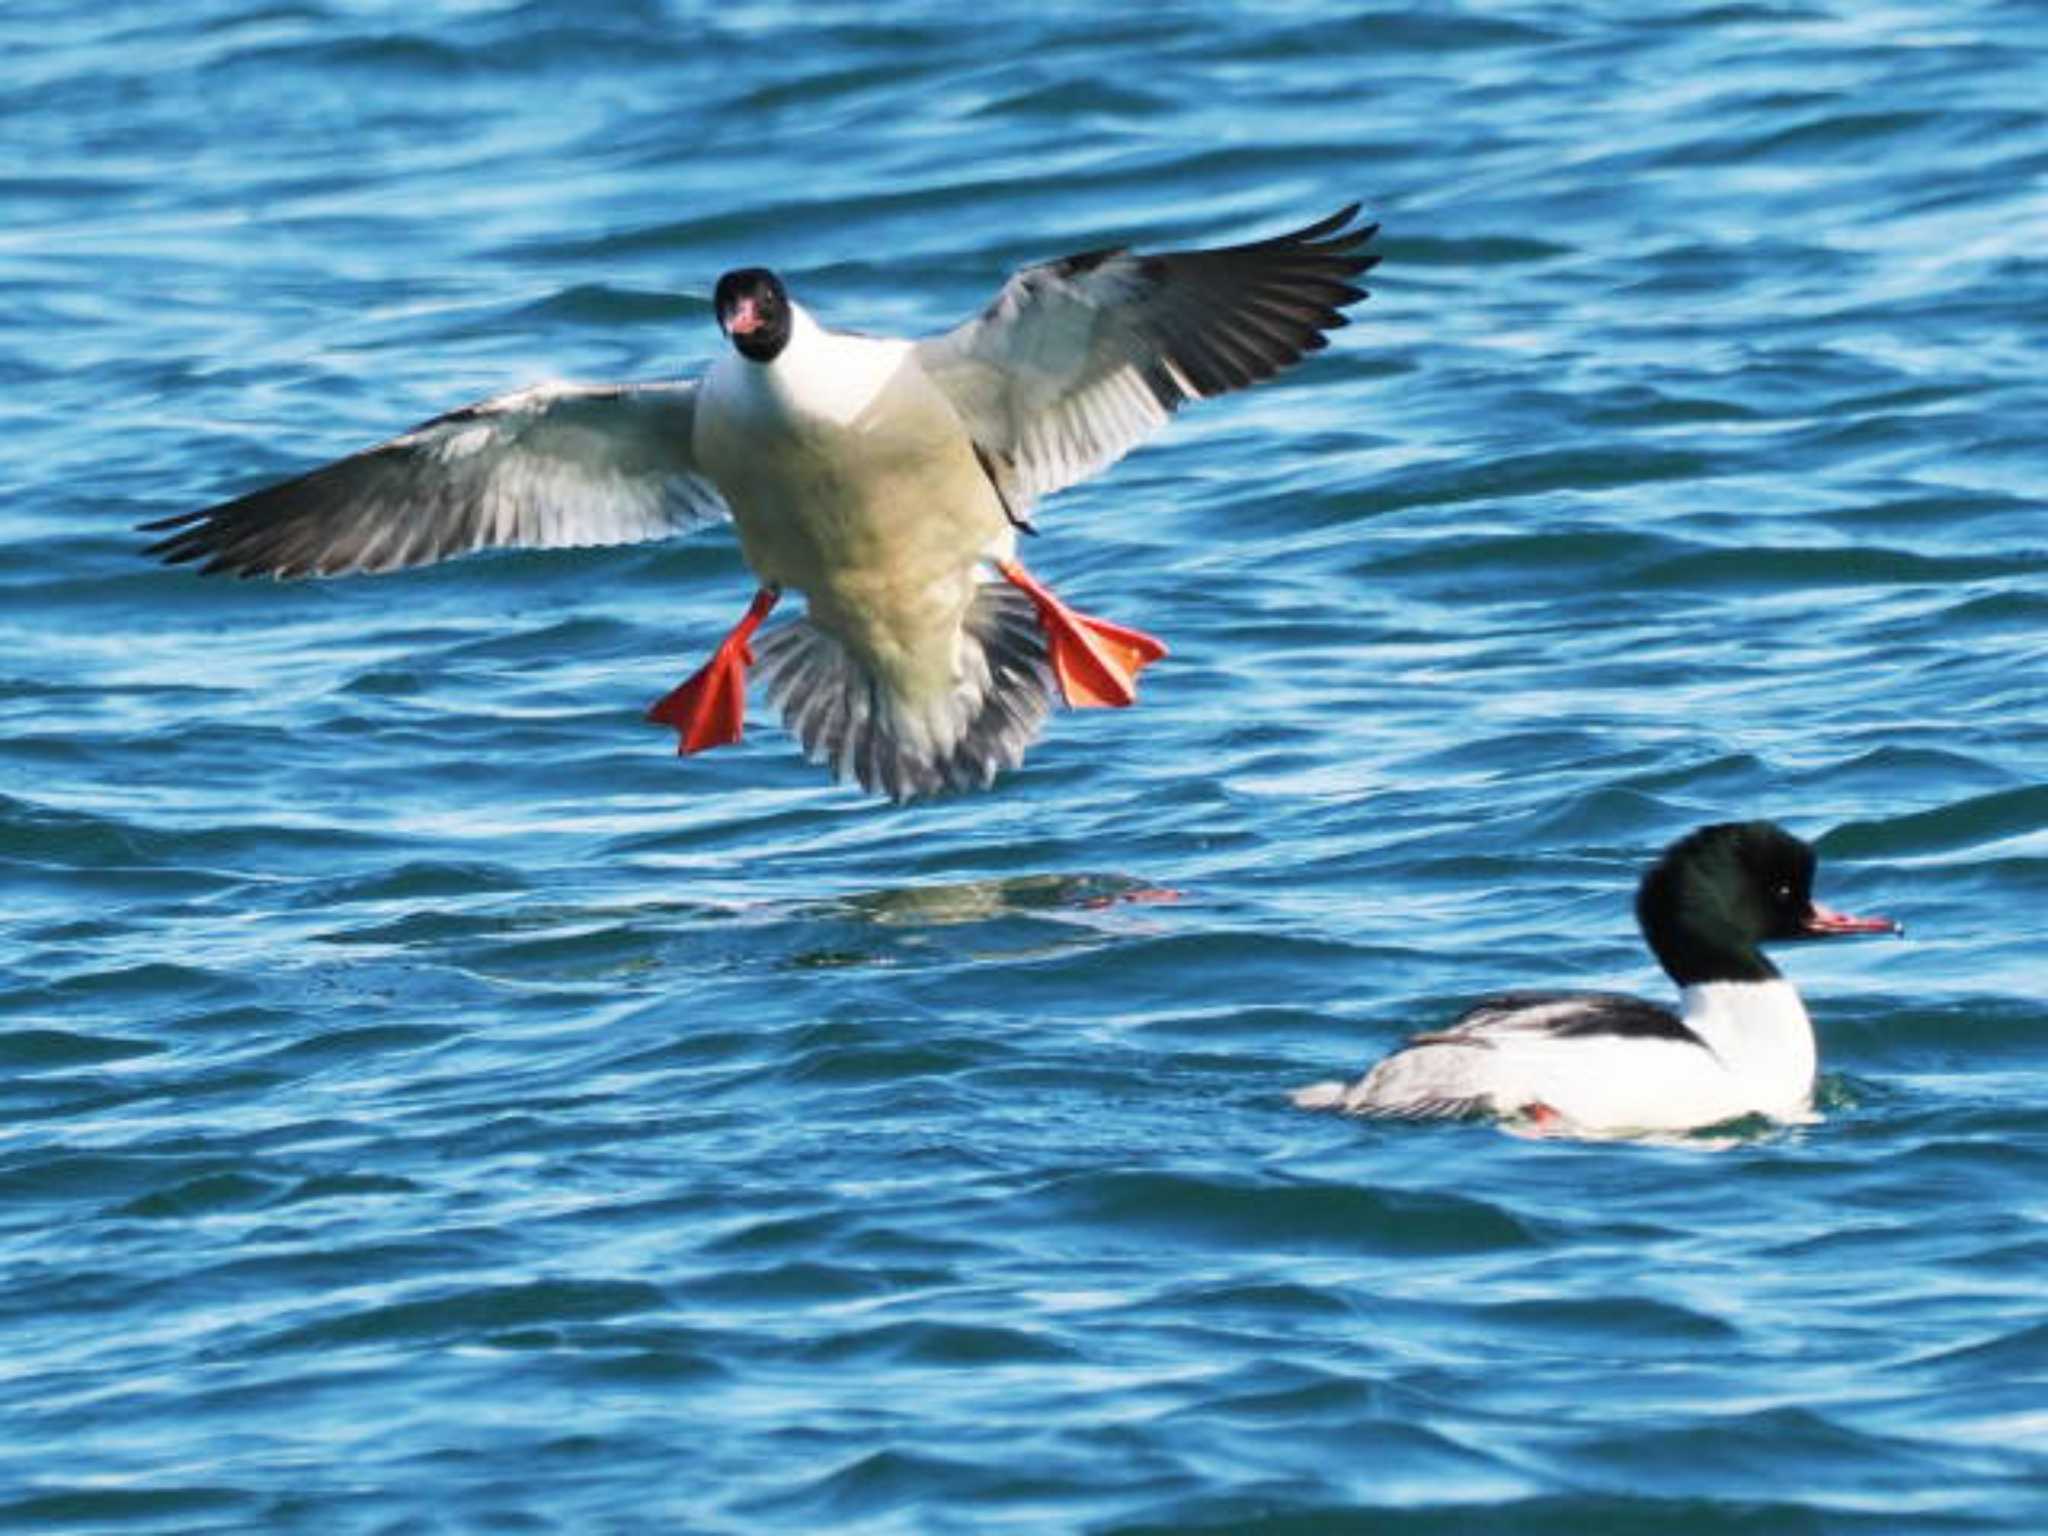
x=1095 y=661
x=709 y=707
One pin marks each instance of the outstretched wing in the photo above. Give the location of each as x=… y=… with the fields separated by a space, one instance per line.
x=556 y=465
x=1077 y=360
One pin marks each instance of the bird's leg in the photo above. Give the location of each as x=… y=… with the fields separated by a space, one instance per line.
x=1096 y=662
x=709 y=707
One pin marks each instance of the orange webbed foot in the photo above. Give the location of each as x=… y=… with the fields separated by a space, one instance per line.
x=709 y=707
x=1095 y=661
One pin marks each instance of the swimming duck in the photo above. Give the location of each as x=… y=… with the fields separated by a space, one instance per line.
x=1603 y=1064
x=885 y=479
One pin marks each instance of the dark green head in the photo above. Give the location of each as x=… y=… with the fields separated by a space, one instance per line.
x=1719 y=892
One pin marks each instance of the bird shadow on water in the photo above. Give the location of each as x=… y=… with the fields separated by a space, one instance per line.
x=968 y=901
x=1013 y=917
x=576 y=946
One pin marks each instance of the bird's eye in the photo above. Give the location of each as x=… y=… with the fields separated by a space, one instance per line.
x=1784 y=893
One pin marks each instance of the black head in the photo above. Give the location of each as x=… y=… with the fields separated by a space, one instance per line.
x=753 y=311
x=1719 y=892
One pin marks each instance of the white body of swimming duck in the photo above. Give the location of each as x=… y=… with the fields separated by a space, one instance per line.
x=1601 y=1064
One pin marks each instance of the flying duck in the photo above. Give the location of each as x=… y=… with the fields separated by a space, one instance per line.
x=887 y=480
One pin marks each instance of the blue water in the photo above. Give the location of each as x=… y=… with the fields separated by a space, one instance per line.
x=428 y=1105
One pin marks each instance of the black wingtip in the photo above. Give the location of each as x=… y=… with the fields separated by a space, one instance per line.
x=170 y=551
x=1331 y=225
x=1356 y=238
x=175 y=550
x=184 y=539
x=1322 y=231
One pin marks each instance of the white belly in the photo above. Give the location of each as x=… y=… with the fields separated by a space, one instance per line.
x=851 y=479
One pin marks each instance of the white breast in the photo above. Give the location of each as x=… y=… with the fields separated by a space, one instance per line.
x=821 y=380
x=1762 y=1038
x=852 y=479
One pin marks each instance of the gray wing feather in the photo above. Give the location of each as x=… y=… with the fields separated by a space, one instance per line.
x=1078 y=360
x=548 y=467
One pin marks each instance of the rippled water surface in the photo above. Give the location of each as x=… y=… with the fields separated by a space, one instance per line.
x=431 y=1106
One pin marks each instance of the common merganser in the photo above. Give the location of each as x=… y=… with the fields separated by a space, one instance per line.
x=885 y=479
x=1600 y=1064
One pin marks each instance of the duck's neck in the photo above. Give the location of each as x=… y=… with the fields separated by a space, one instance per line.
x=821 y=376
x=1759 y=1030
x=1695 y=952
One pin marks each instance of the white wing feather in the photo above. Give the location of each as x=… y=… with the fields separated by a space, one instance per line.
x=548 y=467
x=1078 y=360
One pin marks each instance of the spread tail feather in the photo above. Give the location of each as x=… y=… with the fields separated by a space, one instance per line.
x=847 y=720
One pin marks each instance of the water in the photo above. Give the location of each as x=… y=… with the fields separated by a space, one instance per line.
x=430 y=1106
